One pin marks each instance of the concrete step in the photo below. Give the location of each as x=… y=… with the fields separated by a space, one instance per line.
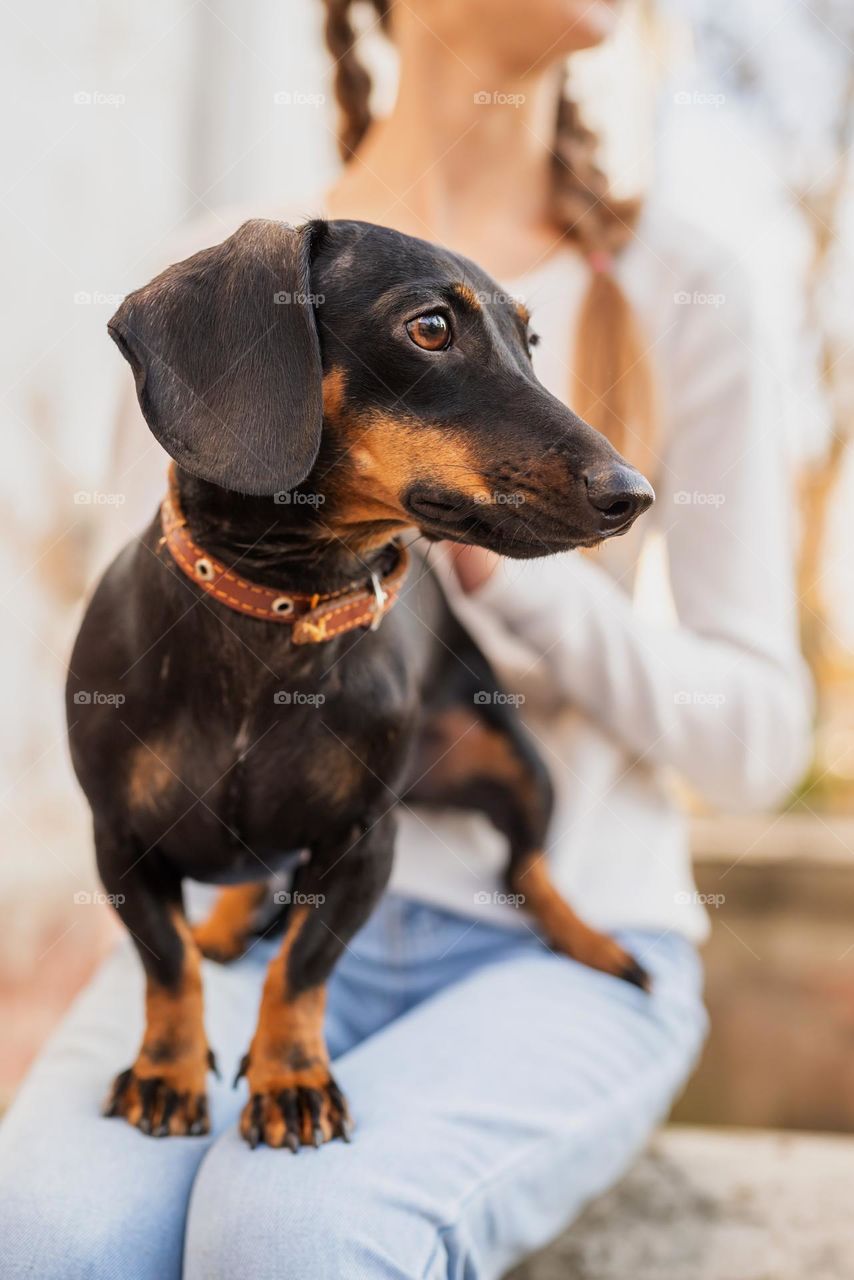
x=717 y=1204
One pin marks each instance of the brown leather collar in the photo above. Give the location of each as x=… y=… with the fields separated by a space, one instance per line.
x=314 y=618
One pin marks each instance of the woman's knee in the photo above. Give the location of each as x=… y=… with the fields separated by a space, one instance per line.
x=328 y=1213
x=54 y=1233
x=84 y=1196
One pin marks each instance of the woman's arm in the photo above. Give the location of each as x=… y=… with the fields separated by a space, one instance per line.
x=724 y=696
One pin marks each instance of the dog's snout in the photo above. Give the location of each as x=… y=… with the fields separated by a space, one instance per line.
x=619 y=494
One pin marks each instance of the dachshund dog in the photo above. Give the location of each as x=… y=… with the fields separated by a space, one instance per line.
x=321 y=390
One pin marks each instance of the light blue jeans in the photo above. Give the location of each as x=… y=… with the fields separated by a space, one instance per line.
x=496 y=1088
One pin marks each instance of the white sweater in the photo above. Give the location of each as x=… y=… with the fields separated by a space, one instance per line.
x=618 y=703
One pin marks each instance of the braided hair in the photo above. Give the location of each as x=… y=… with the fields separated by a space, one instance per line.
x=352 y=82
x=612 y=380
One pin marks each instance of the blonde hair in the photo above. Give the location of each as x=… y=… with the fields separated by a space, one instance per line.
x=613 y=385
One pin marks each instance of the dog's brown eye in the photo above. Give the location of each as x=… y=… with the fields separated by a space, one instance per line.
x=430 y=331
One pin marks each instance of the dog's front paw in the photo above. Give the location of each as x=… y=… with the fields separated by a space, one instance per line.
x=295 y=1109
x=166 y=1105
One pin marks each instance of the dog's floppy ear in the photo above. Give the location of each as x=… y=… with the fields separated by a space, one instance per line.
x=226 y=358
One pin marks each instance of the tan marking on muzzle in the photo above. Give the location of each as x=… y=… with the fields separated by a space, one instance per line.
x=387 y=455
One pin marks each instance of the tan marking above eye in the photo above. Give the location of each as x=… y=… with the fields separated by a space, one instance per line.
x=468 y=295
x=431 y=331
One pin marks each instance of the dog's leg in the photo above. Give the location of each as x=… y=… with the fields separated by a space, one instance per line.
x=530 y=878
x=293 y=1098
x=475 y=754
x=163 y=1092
x=224 y=934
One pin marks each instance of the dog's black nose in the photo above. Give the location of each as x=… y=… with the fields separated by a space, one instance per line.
x=619 y=493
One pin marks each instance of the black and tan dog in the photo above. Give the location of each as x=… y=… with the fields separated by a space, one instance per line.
x=321 y=390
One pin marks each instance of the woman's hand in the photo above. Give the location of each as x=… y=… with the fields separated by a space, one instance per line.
x=472 y=565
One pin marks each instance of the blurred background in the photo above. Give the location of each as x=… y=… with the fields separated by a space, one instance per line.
x=127 y=124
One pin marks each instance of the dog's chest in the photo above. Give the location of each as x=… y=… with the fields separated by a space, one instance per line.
x=245 y=773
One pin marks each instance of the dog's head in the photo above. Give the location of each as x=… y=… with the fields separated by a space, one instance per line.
x=389 y=374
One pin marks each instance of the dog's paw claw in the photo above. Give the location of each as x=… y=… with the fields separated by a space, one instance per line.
x=290 y=1114
x=637 y=975
x=201 y=1123
x=157 y=1106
